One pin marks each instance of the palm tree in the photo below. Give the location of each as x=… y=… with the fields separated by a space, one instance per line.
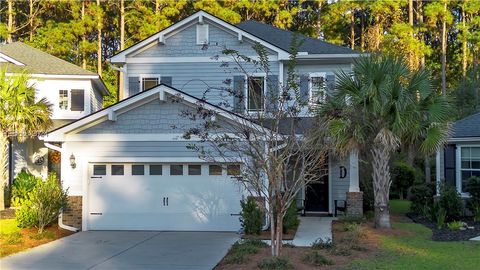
x=21 y=117
x=373 y=111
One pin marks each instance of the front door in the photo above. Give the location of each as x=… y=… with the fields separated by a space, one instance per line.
x=316 y=195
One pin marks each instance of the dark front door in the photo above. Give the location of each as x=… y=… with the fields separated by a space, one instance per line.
x=316 y=195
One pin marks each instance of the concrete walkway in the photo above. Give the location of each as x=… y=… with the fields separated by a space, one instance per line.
x=126 y=250
x=475 y=238
x=312 y=229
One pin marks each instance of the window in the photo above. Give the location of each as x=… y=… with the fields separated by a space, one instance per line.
x=138 y=169
x=176 y=169
x=78 y=100
x=117 y=170
x=99 y=169
x=63 y=99
x=149 y=82
x=215 y=170
x=233 y=169
x=470 y=164
x=256 y=94
x=194 y=169
x=318 y=88
x=156 y=169
x=202 y=34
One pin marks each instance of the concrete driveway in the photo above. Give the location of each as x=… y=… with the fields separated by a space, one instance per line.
x=126 y=250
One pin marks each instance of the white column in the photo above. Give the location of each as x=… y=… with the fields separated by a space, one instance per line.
x=353 y=167
x=437 y=172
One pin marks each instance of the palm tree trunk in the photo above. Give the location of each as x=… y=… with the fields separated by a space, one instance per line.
x=381 y=185
x=3 y=168
x=428 y=171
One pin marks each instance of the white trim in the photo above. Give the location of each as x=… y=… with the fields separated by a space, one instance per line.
x=329 y=56
x=437 y=171
x=310 y=85
x=330 y=186
x=193 y=59
x=53 y=147
x=145 y=76
x=11 y=60
x=207 y=29
x=58 y=76
x=465 y=139
x=168 y=160
x=121 y=57
x=458 y=172
x=131 y=137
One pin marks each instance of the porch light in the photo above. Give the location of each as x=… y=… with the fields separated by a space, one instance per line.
x=72 y=162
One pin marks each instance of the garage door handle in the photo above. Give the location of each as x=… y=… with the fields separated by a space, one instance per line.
x=95 y=177
x=234 y=214
x=163 y=201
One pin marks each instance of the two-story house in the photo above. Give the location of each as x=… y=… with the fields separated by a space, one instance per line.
x=134 y=171
x=73 y=93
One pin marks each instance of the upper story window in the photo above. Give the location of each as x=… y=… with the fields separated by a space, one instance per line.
x=73 y=100
x=470 y=164
x=202 y=34
x=256 y=94
x=63 y=99
x=318 y=88
x=149 y=82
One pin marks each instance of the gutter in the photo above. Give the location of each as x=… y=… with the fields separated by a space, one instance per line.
x=60 y=217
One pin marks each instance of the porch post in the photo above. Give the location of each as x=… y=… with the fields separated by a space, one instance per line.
x=354 y=195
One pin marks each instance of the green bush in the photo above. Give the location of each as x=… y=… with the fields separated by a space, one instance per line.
x=451 y=202
x=403 y=176
x=14 y=238
x=473 y=187
x=290 y=220
x=316 y=258
x=321 y=243
x=251 y=216
x=42 y=205
x=440 y=218
x=22 y=186
x=455 y=225
x=241 y=249
x=274 y=263
x=422 y=198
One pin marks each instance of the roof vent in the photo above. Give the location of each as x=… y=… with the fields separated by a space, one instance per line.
x=202 y=34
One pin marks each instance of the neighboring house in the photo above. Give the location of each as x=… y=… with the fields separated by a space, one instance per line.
x=460 y=158
x=132 y=171
x=72 y=91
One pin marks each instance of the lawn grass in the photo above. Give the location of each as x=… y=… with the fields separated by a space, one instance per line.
x=416 y=250
x=399 y=206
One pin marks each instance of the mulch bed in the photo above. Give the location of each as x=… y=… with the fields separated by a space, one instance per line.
x=265 y=235
x=445 y=234
x=7 y=213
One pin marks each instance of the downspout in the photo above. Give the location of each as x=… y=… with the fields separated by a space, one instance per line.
x=60 y=217
x=10 y=162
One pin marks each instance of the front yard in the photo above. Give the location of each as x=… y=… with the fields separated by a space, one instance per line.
x=14 y=239
x=407 y=246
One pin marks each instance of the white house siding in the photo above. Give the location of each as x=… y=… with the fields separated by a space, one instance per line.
x=25 y=154
x=96 y=101
x=339 y=185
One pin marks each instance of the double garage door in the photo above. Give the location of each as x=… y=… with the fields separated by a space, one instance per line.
x=163 y=196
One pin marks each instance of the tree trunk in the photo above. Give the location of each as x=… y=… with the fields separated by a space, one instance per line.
x=411 y=155
x=99 y=37
x=381 y=185
x=420 y=35
x=10 y=25
x=352 y=30
x=464 y=45
x=30 y=19
x=279 y=233
x=3 y=168
x=84 y=38
x=444 y=54
x=428 y=173
x=272 y=231
x=410 y=12
x=122 y=47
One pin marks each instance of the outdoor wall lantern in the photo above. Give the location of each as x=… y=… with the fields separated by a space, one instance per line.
x=72 y=162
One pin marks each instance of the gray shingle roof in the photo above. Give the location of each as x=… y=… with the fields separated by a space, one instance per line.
x=467 y=127
x=38 y=62
x=282 y=39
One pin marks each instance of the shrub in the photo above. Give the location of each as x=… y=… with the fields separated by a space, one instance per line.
x=26 y=215
x=451 y=202
x=45 y=234
x=13 y=238
x=316 y=258
x=403 y=176
x=341 y=251
x=455 y=225
x=22 y=186
x=473 y=187
x=290 y=220
x=251 y=216
x=422 y=198
x=240 y=250
x=277 y=263
x=441 y=217
x=321 y=243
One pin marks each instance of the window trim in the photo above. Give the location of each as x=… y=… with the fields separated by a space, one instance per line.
x=148 y=76
x=197 y=35
x=264 y=76
x=310 y=85
x=458 y=160
x=68 y=99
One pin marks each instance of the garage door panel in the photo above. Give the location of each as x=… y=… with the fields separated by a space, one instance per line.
x=164 y=202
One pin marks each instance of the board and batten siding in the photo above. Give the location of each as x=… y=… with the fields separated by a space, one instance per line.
x=184 y=44
x=340 y=186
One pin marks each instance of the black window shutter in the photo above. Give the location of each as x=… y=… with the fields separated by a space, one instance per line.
x=450 y=164
x=238 y=94
x=304 y=88
x=330 y=85
x=78 y=100
x=272 y=93
x=133 y=86
x=167 y=80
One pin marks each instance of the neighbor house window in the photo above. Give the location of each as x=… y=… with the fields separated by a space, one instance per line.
x=233 y=169
x=470 y=164
x=63 y=99
x=256 y=94
x=318 y=89
x=149 y=82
